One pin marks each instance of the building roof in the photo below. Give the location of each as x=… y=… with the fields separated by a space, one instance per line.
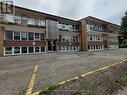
x=62 y=18
x=100 y=20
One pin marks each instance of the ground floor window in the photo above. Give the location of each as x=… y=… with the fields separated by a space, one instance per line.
x=113 y=46
x=37 y=49
x=23 y=50
x=95 y=47
x=16 y=50
x=42 y=49
x=68 y=48
x=31 y=49
x=8 y=50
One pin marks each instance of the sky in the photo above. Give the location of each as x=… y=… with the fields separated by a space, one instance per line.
x=109 y=10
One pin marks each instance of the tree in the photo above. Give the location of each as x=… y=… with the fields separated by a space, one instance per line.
x=124 y=26
x=123 y=38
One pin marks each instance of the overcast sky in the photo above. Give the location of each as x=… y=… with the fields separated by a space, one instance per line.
x=109 y=10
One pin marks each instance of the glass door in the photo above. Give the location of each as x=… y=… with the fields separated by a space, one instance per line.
x=51 y=46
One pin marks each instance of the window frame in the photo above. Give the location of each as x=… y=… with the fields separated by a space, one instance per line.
x=19 y=35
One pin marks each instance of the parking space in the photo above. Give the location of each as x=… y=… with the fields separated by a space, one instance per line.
x=16 y=71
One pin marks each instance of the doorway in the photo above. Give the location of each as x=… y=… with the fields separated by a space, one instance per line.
x=51 y=46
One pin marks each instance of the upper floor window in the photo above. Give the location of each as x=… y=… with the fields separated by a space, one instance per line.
x=24 y=36
x=60 y=37
x=16 y=35
x=9 y=18
x=31 y=36
x=9 y=35
x=24 y=21
x=42 y=36
x=37 y=36
x=17 y=20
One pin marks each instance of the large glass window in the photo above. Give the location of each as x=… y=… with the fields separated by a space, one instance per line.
x=8 y=50
x=42 y=49
x=60 y=48
x=17 y=20
x=42 y=23
x=36 y=49
x=88 y=47
x=8 y=35
x=24 y=21
x=37 y=36
x=42 y=36
x=31 y=49
x=24 y=36
x=9 y=18
x=91 y=37
x=31 y=36
x=16 y=50
x=24 y=49
x=16 y=35
x=60 y=37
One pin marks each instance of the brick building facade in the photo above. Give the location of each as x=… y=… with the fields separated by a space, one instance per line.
x=31 y=32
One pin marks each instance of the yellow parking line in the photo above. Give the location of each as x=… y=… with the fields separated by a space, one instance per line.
x=85 y=74
x=92 y=72
x=36 y=93
x=31 y=84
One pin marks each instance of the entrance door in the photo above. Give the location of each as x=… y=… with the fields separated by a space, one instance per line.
x=51 y=46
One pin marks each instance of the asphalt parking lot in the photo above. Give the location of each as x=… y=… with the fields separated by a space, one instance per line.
x=16 y=71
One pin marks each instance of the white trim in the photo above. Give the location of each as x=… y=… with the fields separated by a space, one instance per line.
x=27 y=50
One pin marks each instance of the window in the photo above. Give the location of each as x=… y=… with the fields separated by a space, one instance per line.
x=36 y=49
x=70 y=47
x=42 y=36
x=88 y=47
x=24 y=21
x=63 y=39
x=77 y=39
x=96 y=46
x=24 y=36
x=9 y=18
x=24 y=49
x=16 y=35
x=30 y=21
x=74 y=47
x=91 y=47
x=71 y=39
x=31 y=36
x=37 y=36
x=42 y=23
x=91 y=37
x=67 y=47
x=94 y=37
x=63 y=48
x=98 y=38
x=9 y=35
x=31 y=49
x=8 y=50
x=16 y=50
x=59 y=48
x=17 y=20
x=42 y=49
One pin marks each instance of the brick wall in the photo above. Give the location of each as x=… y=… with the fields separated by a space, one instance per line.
x=1 y=40
x=84 y=42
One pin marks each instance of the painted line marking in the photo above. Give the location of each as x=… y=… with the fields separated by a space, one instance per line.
x=94 y=71
x=32 y=81
x=85 y=74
